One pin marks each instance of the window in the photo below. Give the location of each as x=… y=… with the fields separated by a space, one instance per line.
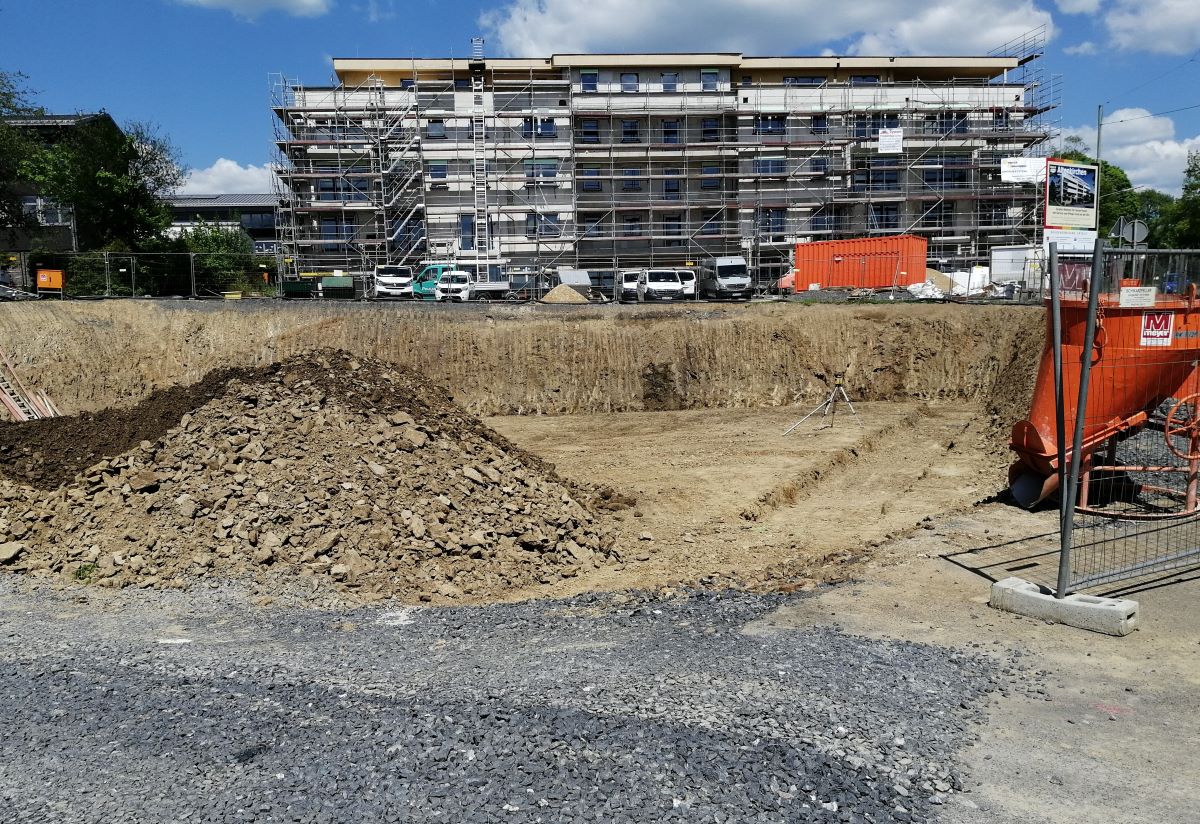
x=466 y=232
x=462 y=84
x=772 y=221
x=709 y=179
x=632 y=182
x=868 y=125
x=437 y=169
x=769 y=124
x=591 y=225
x=947 y=123
x=1001 y=120
x=670 y=82
x=864 y=80
x=542 y=127
x=709 y=80
x=769 y=166
x=631 y=226
x=938 y=215
x=588 y=81
x=747 y=81
x=818 y=165
x=539 y=167
x=589 y=131
x=537 y=225
x=804 y=80
x=631 y=131
x=670 y=131
x=629 y=81
x=878 y=175
x=436 y=130
x=590 y=181
x=407 y=84
x=671 y=186
x=820 y=124
x=673 y=229
x=711 y=224
x=710 y=130
x=884 y=216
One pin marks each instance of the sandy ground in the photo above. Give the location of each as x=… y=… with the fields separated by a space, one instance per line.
x=726 y=493
x=1117 y=735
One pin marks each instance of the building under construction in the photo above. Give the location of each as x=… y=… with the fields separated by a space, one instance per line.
x=608 y=161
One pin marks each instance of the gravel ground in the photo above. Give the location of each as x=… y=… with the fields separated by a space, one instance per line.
x=194 y=706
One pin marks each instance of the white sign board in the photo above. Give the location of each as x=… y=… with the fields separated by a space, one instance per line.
x=1022 y=169
x=1070 y=241
x=1157 y=328
x=891 y=141
x=1141 y=297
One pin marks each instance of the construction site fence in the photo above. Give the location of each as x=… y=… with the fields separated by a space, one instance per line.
x=1129 y=418
x=141 y=274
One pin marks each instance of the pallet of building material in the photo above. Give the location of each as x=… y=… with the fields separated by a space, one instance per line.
x=9 y=293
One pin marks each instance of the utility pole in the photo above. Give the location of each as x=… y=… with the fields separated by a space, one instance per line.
x=1099 y=162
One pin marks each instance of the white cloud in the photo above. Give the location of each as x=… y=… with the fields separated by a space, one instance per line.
x=1144 y=145
x=377 y=11
x=1085 y=48
x=226 y=177
x=539 y=27
x=1162 y=26
x=251 y=9
x=1078 y=6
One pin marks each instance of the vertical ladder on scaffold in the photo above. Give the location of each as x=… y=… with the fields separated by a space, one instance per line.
x=479 y=157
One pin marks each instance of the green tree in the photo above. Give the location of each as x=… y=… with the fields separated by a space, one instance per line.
x=114 y=179
x=1154 y=208
x=1181 y=221
x=224 y=257
x=15 y=147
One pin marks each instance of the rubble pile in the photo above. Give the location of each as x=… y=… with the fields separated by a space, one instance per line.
x=352 y=472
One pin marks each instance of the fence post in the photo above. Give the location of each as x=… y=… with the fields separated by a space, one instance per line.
x=192 y=268
x=1071 y=492
x=107 y=277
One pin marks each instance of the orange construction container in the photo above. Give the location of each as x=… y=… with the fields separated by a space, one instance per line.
x=862 y=263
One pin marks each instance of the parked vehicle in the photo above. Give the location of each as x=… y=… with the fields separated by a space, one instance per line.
x=393 y=282
x=424 y=285
x=1173 y=283
x=725 y=277
x=454 y=286
x=688 y=278
x=659 y=284
x=628 y=279
x=489 y=277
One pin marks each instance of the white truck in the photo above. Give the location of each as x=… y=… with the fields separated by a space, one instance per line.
x=725 y=277
x=627 y=284
x=659 y=284
x=393 y=282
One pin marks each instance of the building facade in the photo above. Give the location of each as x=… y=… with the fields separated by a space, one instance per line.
x=254 y=214
x=607 y=161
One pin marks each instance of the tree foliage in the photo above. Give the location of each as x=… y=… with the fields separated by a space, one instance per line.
x=114 y=179
x=1181 y=219
x=14 y=146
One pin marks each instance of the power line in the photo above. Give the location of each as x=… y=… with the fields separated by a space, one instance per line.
x=1155 y=114
x=1171 y=70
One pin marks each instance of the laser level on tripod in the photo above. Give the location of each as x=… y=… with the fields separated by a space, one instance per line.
x=828 y=407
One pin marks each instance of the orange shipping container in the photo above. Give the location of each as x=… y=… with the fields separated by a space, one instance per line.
x=862 y=263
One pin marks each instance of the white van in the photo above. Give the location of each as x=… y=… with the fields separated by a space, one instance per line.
x=627 y=284
x=454 y=285
x=659 y=284
x=393 y=282
x=725 y=277
x=690 y=282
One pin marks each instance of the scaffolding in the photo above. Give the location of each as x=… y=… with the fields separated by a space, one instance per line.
x=537 y=166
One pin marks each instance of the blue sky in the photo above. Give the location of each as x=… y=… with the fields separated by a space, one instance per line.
x=200 y=69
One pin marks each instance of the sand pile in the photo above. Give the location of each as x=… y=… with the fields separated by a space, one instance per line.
x=563 y=294
x=357 y=472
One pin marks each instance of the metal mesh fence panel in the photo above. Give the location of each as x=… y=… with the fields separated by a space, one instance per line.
x=1134 y=483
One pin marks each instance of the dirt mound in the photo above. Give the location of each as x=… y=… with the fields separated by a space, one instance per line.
x=48 y=453
x=352 y=472
x=563 y=294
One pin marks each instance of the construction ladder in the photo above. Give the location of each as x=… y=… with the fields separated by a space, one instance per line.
x=479 y=157
x=16 y=398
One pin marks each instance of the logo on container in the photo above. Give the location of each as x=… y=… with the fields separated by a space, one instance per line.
x=1157 y=328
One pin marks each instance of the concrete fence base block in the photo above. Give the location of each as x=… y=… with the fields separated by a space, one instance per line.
x=1111 y=616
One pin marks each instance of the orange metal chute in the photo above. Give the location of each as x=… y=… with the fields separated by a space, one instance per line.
x=1130 y=378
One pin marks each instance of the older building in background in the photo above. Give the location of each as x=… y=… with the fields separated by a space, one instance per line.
x=603 y=161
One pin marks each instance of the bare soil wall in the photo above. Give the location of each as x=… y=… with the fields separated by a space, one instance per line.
x=503 y=360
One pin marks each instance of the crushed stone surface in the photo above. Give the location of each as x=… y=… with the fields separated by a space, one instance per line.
x=193 y=706
x=355 y=474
